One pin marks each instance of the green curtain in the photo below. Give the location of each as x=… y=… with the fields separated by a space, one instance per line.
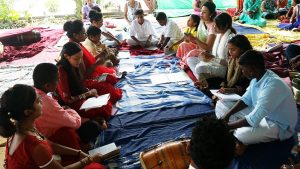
x=174 y=4
x=175 y=8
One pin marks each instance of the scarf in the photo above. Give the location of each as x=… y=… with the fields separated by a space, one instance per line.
x=219 y=49
x=233 y=73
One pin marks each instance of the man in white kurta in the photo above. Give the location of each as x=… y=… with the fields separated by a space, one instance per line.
x=170 y=34
x=141 y=31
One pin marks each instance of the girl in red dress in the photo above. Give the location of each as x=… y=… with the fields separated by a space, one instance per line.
x=26 y=147
x=76 y=33
x=95 y=75
x=72 y=89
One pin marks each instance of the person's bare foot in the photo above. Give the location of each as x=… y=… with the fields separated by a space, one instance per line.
x=240 y=148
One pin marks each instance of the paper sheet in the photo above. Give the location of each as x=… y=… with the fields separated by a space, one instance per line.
x=123 y=55
x=95 y=102
x=226 y=97
x=168 y=78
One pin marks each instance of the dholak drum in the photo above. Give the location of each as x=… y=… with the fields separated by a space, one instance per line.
x=169 y=155
x=22 y=39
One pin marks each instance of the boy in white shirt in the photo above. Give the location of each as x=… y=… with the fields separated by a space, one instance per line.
x=170 y=35
x=141 y=31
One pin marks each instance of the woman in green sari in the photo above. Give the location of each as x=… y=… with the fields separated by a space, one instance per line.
x=252 y=13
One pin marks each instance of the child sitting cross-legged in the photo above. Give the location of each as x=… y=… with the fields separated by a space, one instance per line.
x=185 y=45
x=107 y=56
x=170 y=34
x=141 y=31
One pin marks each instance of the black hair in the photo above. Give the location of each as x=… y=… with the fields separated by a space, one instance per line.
x=139 y=12
x=44 y=73
x=196 y=19
x=212 y=145
x=72 y=27
x=95 y=16
x=224 y=22
x=242 y=42
x=252 y=58
x=161 y=16
x=74 y=79
x=96 y=8
x=14 y=102
x=212 y=9
x=89 y=131
x=93 y=31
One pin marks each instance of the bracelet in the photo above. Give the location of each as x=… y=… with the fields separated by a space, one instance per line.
x=83 y=163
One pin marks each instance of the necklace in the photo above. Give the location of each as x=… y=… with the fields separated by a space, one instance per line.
x=37 y=133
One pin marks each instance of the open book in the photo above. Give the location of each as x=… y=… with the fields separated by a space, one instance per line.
x=107 y=151
x=168 y=78
x=95 y=102
x=226 y=97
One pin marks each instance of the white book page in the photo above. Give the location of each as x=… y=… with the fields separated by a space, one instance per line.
x=123 y=55
x=226 y=97
x=95 y=102
x=168 y=78
x=104 y=149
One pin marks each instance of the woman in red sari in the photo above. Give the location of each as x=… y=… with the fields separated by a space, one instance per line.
x=26 y=147
x=72 y=89
x=76 y=33
x=95 y=75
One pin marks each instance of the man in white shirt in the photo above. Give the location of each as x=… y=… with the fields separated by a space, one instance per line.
x=141 y=31
x=267 y=110
x=170 y=35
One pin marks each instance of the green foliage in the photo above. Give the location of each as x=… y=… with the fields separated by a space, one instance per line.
x=9 y=18
x=78 y=8
x=52 y=5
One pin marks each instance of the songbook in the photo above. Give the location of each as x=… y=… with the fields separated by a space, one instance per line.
x=107 y=151
x=226 y=97
x=95 y=102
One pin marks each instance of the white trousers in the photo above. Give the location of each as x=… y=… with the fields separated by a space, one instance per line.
x=266 y=131
x=132 y=42
x=211 y=69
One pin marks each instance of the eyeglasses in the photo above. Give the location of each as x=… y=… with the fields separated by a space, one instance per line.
x=83 y=33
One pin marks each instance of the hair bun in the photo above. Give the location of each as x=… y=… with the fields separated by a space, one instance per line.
x=68 y=26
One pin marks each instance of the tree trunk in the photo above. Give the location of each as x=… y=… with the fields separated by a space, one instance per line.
x=78 y=8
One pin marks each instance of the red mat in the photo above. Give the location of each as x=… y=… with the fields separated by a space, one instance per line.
x=135 y=51
x=49 y=38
